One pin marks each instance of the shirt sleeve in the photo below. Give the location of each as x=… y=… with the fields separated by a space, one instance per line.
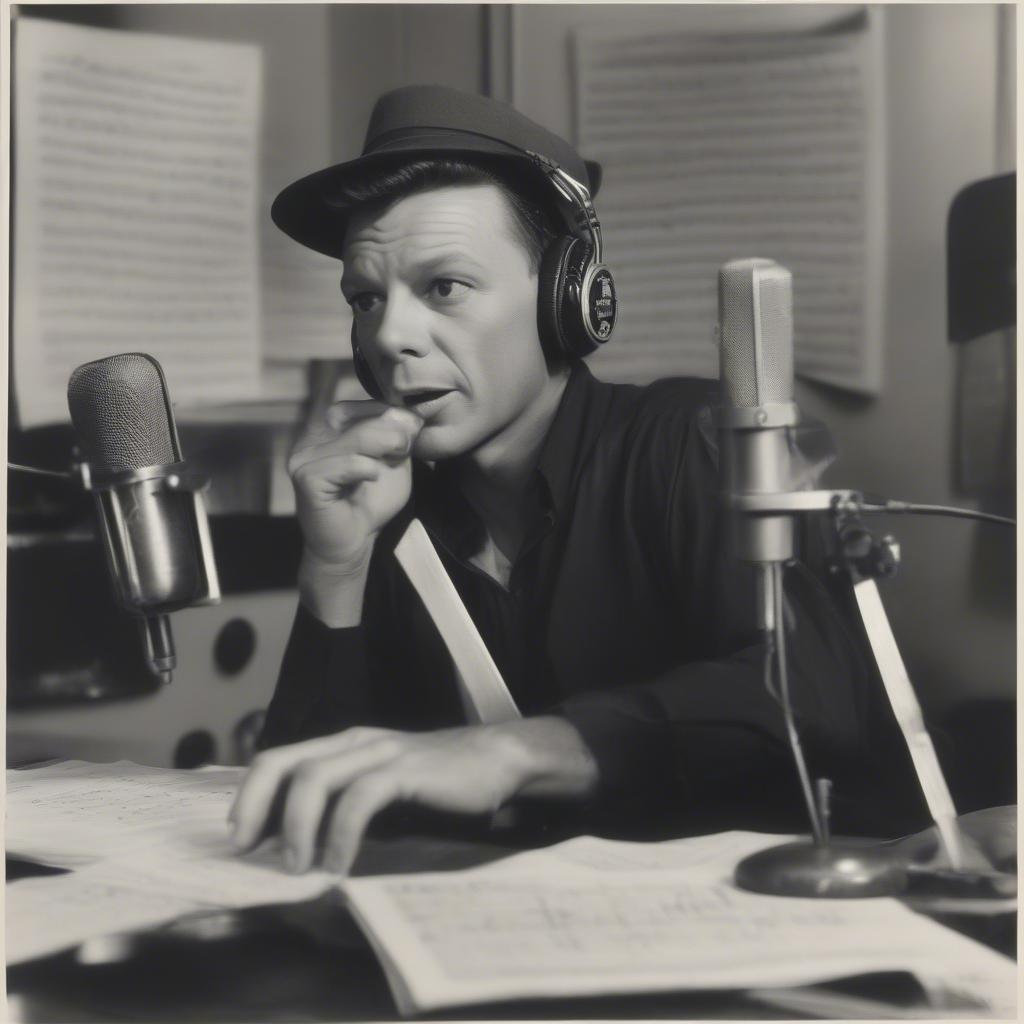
x=391 y=671
x=704 y=744
x=305 y=703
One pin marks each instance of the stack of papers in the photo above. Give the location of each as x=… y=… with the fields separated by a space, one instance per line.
x=148 y=845
x=585 y=917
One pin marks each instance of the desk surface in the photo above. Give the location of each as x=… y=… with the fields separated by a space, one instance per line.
x=309 y=962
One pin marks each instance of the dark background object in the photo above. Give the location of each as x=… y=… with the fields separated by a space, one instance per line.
x=67 y=642
x=981 y=258
x=194 y=749
x=234 y=647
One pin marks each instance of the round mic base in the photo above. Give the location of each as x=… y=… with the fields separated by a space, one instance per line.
x=833 y=871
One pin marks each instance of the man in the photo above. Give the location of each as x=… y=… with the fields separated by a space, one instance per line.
x=578 y=520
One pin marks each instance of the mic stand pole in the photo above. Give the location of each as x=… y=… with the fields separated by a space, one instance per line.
x=865 y=560
x=822 y=868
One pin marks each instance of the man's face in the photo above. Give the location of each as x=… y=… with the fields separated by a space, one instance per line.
x=445 y=305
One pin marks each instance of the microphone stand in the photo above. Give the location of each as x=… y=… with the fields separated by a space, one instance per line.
x=823 y=868
x=819 y=867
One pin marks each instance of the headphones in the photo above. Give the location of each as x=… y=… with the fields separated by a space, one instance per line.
x=576 y=299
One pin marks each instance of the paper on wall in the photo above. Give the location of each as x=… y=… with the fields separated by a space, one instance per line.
x=728 y=143
x=135 y=211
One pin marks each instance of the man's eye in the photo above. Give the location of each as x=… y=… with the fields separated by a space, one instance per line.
x=363 y=302
x=447 y=288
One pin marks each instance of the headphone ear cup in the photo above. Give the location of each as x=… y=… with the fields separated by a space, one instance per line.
x=559 y=310
x=362 y=368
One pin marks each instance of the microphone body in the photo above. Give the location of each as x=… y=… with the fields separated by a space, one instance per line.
x=152 y=519
x=755 y=311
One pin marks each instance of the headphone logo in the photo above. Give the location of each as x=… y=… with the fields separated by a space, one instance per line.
x=601 y=304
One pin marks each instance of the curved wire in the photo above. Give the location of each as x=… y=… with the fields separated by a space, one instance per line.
x=787 y=709
x=36 y=471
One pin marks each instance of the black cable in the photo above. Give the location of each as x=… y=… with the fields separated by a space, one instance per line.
x=914 y=508
x=35 y=470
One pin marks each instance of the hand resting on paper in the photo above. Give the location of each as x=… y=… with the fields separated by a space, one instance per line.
x=334 y=785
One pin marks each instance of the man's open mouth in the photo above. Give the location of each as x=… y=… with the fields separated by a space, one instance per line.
x=417 y=398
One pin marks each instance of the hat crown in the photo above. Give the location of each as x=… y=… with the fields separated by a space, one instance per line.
x=415 y=109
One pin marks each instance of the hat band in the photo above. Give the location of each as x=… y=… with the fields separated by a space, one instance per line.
x=397 y=137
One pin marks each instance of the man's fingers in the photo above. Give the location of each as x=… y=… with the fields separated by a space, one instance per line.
x=358 y=804
x=381 y=437
x=255 y=797
x=354 y=409
x=342 y=413
x=313 y=785
x=333 y=471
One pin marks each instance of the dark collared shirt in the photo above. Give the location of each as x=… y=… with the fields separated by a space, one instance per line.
x=624 y=612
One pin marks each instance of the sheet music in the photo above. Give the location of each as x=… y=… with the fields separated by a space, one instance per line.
x=149 y=844
x=709 y=858
x=46 y=915
x=457 y=938
x=135 y=211
x=589 y=916
x=148 y=886
x=721 y=145
x=76 y=813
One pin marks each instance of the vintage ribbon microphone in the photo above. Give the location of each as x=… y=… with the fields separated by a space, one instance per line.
x=758 y=482
x=756 y=366
x=151 y=513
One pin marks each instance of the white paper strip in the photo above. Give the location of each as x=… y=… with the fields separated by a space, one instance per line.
x=908 y=714
x=484 y=691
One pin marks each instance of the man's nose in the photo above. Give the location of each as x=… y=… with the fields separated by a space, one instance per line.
x=402 y=331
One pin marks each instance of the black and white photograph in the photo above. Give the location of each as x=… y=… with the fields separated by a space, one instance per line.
x=511 y=511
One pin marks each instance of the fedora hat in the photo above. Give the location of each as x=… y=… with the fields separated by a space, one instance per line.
x=420 y=121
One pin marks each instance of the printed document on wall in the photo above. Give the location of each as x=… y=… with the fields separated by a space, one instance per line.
x=135 y=195
x=724 y=144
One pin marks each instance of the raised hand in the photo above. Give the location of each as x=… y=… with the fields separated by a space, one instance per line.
x=351 y=476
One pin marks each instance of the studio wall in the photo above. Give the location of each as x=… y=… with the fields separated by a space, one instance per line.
x=952 y=603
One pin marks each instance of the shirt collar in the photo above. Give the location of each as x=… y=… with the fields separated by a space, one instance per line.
x=446 y=513
x=572 y=433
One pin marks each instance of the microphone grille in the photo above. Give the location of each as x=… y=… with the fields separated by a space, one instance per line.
x=755 y=316
x=122 y=414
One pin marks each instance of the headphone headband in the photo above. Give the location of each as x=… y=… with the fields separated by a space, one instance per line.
x=577 y=194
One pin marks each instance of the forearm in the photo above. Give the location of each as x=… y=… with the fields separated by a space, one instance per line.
x=333 y=594
x=546 y=757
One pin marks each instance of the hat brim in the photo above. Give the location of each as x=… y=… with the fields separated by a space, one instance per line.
x=310 y=211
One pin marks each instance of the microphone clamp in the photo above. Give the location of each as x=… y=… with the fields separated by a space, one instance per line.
x=176 y=476
x=790 y=502
x=756 y=417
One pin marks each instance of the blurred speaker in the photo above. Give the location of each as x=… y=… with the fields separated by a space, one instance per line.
x=228 y=658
